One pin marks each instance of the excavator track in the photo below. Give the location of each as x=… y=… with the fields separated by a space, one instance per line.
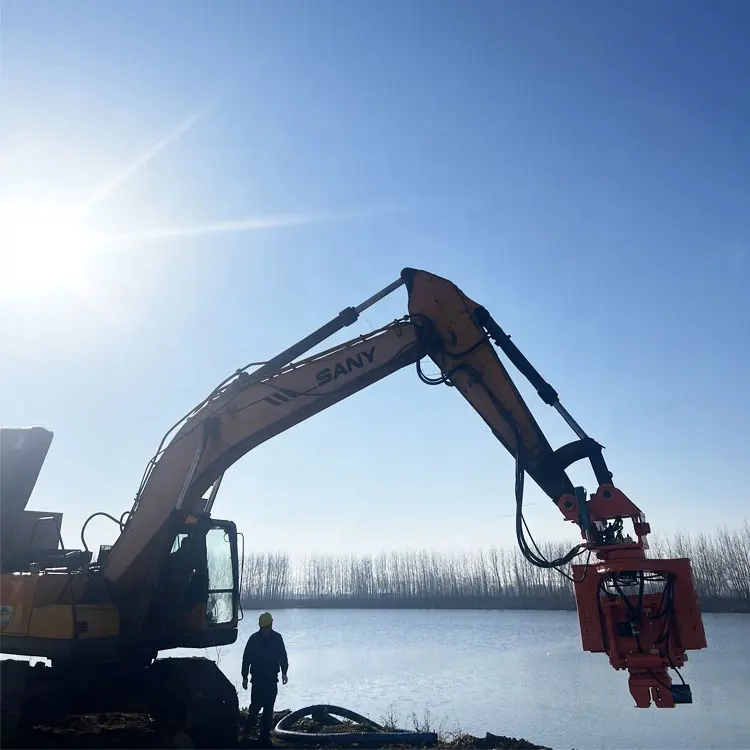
x=14 y=677
x=185 y=697
x=193 y=696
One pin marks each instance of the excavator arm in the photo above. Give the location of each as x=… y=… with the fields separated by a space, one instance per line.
x=642 y=612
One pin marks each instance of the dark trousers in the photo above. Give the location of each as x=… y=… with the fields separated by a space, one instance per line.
x=262 y=696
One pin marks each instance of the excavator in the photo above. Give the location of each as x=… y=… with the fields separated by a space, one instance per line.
x=172 y=577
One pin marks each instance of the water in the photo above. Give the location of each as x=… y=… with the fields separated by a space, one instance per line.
x=522 y=674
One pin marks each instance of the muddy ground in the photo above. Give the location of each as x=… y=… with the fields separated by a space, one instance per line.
x=136 y=731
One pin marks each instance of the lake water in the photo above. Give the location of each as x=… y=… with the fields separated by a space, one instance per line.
x=522 y=674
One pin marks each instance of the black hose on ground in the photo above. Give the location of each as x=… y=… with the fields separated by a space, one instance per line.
x=377 y=734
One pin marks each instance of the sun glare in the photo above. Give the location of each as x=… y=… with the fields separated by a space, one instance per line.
x=41 y=249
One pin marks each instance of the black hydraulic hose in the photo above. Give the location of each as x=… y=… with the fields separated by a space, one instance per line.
x=378 y=733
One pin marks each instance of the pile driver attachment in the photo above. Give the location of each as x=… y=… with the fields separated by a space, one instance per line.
x=642 y=612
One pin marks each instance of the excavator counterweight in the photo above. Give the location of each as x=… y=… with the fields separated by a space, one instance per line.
x=172 y=577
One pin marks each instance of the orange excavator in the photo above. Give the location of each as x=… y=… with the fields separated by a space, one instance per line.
x=171 y=579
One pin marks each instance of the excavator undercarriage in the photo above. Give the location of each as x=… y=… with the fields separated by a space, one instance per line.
x=171 y=579
x=182 y=695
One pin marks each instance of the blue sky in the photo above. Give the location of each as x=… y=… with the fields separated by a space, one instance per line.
x=582 y=169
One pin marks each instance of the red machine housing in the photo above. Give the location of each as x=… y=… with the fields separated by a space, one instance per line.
x=647 y=631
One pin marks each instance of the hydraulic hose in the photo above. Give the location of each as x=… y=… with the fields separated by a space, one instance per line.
x=378 y=733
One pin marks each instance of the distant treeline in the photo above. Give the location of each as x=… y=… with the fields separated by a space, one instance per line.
x=486 y=579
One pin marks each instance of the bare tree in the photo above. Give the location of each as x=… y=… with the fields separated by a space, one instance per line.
x=494 y=578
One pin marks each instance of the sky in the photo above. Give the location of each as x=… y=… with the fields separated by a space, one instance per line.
x=238 y=172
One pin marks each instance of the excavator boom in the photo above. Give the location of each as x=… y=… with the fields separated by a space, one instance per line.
x=233 y=420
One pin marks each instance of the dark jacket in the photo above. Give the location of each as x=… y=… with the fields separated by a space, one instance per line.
x=264 y=655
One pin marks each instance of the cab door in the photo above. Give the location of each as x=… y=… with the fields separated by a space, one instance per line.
x=222 y=591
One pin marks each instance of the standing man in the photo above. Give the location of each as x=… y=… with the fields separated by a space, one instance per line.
x=264 y=656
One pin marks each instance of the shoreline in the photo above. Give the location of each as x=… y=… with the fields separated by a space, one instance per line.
x=111 y=731
x=445 y=739
x=510 y=604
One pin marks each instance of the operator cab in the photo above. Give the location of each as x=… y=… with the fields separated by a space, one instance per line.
x=197 y=604
x=216 y=588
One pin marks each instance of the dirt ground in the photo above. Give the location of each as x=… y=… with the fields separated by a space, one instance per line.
x=136 y=731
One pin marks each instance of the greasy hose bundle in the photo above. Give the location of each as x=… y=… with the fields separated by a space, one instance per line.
x=325 y=715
